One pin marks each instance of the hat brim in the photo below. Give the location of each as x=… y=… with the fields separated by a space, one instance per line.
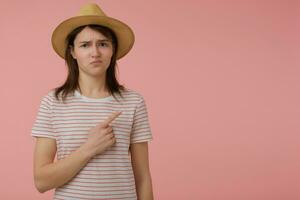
x=123 y=32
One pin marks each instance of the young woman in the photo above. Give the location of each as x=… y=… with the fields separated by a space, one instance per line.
x=97 y=128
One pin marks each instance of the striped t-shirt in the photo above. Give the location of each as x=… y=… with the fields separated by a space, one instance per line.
x=108 y=175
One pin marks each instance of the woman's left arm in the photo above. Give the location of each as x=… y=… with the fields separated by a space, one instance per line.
x=140 y=165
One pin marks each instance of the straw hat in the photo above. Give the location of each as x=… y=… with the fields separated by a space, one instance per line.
x=92 y=14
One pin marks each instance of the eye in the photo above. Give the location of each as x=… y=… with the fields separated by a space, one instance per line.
x=84 y=45
x=103 y=44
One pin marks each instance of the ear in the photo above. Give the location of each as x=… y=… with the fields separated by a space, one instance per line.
x=72 y=52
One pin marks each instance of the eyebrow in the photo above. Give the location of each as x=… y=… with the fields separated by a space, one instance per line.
x=104 y=40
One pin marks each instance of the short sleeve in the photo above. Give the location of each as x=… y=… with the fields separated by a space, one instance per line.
x=141 y=131
x=42 y=127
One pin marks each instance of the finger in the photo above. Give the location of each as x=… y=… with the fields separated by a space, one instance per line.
x=108 y=130
x=111 y=135
x=113 y=116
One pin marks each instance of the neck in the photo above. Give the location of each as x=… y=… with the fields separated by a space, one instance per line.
x=93 y=86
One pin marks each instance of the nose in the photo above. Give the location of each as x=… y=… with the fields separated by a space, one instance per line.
x=95 y=52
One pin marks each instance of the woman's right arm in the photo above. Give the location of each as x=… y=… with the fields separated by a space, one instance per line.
x=49 y=175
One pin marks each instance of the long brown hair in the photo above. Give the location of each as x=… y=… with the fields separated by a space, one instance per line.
x=71 y=83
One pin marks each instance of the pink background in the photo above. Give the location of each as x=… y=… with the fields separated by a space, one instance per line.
x=221 y=81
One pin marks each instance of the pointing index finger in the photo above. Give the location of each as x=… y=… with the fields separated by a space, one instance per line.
x=113 y=116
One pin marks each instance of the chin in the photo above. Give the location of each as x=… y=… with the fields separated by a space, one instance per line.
x=97 y=73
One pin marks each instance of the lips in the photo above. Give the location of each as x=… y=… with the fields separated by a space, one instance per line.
x=96 y=61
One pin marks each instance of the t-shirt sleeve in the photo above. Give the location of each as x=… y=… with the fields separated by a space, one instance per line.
x=141 y=131
x=42 y=126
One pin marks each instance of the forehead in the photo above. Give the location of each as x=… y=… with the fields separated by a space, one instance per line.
x=88 y=34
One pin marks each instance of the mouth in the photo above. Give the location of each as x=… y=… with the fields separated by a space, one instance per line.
x=96 y=62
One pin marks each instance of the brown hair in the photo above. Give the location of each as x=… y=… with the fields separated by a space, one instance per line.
x=71 y=83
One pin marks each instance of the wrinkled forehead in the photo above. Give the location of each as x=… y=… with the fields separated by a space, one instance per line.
x=89 y=35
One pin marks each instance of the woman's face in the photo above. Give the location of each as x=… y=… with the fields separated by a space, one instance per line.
x=90 y=46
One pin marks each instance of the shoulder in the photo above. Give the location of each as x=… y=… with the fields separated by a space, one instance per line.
x=49 y=97
x=133 y=95
x=50 y=94
x=57 y=98
x=135 y=98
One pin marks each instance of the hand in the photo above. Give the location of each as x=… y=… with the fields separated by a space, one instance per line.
x=101 y=137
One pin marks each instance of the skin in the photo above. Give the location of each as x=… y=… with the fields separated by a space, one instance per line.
x=90 y=45
x=140 y=165
x=49 y=174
